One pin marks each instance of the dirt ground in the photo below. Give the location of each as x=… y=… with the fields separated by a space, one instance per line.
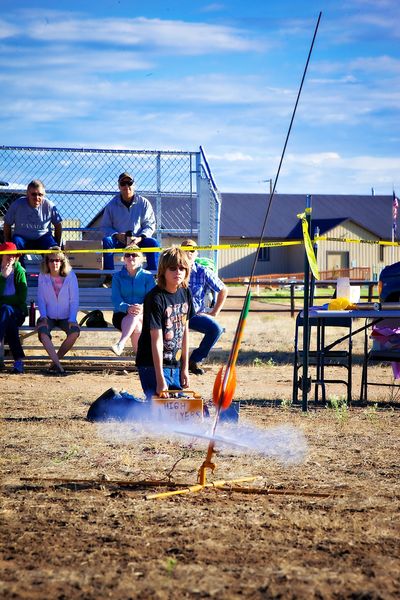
x=332 y=531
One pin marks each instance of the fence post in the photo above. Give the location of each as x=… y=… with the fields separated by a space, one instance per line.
x=158 y=198
x=292 y=307
x=306 y=330
x=370 y=291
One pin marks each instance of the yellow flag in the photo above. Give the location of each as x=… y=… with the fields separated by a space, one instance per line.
x=312 y=261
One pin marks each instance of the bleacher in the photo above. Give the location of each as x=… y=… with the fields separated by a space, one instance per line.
x=178 y=184
x=91 y=297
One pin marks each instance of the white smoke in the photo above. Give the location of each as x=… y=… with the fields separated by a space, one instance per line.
x=284 y=443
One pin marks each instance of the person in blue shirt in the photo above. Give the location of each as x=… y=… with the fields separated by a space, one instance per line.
x=202 y=281
x=129 y=287
x=129 y=219
x=32 y=216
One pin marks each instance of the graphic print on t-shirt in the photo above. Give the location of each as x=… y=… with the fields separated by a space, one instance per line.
x=175 y=321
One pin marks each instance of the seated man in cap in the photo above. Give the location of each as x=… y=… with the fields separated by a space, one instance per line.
x=32 y=216
x=129 y=219
x=202 y=281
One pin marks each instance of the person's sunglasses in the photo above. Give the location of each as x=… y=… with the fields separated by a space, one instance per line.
x=131 y=255
x=54 y=260
x=126 y=183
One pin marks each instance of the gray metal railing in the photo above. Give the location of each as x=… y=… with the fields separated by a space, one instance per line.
x=81 y=181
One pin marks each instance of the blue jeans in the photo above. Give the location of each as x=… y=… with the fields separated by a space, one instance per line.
x=212 y=332
x=148 y=242
x=11 y=317
x=148 y=380
x=43 y=243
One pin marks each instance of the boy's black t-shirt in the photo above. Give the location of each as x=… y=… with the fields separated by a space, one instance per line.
x=169 y=312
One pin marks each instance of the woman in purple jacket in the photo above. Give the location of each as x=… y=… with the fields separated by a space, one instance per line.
x=58 y=303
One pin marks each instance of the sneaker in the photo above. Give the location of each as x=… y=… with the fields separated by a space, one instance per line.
x=54 y=370
x=195 y=369
x=110 y=393
x=18 y=367
x=117 y=349
x=107 y=281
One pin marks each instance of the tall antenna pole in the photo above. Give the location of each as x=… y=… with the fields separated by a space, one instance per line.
x=229 y=375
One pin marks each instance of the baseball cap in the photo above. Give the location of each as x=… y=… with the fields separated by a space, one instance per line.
x=7 y=247
x=125 y=176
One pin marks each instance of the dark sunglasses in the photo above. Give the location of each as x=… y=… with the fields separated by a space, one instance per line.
x=126 y=183
x=131 y=255
x=54 y=260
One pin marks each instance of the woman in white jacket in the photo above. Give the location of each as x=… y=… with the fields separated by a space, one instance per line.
x=58 y=303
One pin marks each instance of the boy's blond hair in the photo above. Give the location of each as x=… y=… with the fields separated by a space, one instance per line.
x=172 y=257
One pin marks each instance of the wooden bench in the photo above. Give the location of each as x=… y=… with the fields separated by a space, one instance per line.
x=86 y=277
x=89 y=299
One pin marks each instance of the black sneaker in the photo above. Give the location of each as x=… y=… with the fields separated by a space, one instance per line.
x=195 y=369
x=107 y=282
x=56 y=371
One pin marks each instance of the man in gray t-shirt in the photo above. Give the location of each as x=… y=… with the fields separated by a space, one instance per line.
x=32 y=216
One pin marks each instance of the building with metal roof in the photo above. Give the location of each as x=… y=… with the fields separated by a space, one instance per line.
x=362 y=218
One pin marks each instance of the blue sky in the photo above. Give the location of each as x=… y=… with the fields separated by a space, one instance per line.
x=173 y=75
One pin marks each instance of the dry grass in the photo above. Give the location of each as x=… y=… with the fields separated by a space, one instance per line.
x=104 y=540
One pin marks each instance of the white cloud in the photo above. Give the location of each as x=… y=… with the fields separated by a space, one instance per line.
x=77 y=59
x=377 y=4
x=231 y=157
x=213 y=7
x=382 y=65
x=180 y=37
x=322 y=158
x=82 y=81
x=366 y=65
x=66 y=84
x=346 y=174
x=7 y=30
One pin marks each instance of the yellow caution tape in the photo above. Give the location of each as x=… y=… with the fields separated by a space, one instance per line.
x=325 y=238
x=156 y=249
x=244 y=245
x=312 y=261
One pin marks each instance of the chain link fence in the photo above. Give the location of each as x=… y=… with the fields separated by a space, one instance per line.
x=82 y=181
